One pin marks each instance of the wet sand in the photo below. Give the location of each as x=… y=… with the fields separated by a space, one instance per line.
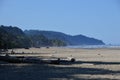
x=91 y=64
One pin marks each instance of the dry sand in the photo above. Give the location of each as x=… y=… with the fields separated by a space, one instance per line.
x=91 y=64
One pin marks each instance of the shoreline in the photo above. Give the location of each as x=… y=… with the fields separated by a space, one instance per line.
x=95 y=54
x=93 y=64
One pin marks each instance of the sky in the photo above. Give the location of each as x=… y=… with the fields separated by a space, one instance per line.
x=94 y=18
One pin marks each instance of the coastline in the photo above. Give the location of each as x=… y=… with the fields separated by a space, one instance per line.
x=94 y=64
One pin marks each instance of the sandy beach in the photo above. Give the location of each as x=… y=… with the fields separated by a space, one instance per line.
x=91 y=64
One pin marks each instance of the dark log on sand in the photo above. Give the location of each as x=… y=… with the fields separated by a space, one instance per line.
x=10 y=59
x=22 y=59
x=47 y=60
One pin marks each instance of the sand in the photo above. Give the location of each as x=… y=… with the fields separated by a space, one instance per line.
x=91 y=64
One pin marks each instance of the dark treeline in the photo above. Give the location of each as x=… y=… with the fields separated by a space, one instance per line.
x=41 y=40
x=13 y=37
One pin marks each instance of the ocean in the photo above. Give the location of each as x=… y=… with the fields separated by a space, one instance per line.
x=94 y=46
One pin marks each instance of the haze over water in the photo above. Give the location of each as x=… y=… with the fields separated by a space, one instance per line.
x=94 y=46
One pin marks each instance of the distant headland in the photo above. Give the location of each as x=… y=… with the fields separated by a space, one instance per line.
x=14 y=37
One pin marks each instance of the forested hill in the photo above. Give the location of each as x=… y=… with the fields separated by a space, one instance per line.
x=68 y=39
x=14 y=37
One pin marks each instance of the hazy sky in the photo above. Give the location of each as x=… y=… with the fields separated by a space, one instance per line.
x=94 y=18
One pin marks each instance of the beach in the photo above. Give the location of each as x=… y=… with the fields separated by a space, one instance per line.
x=90 y=64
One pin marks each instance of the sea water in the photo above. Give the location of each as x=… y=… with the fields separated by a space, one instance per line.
x=94 y=46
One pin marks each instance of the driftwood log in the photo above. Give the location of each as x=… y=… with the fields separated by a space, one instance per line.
x=24 y=59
